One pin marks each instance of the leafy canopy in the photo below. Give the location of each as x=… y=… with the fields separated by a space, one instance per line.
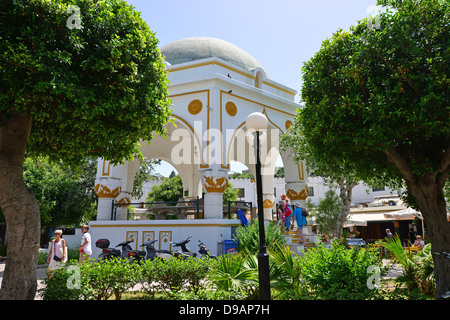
x=369 y=92
x=94 y=91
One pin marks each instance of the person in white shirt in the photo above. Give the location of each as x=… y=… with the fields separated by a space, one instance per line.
x=419 y=242
x=85 y=248
x=57 y=253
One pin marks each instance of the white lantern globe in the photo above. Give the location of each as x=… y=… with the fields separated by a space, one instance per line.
x=256 y=121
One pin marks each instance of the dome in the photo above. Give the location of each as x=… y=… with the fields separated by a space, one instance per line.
x=197 y=48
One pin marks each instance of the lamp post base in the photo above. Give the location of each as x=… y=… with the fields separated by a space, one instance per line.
x=264 y=278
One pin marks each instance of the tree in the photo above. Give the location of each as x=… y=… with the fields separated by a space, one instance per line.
x=332 y=169
x=77 y=78
x=328 y=212
x=230 y=194
x=377 y=99
x=65 y=194
x=171 y=189
x=144 y=174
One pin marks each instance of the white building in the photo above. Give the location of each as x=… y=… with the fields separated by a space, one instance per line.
x=214 y=87
x=361 y=193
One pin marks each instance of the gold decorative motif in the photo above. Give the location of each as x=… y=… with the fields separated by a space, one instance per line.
x=195 y=107
x=123 y=202
x=268 y=203
x=148 y=236
x=231 y=108
x=106 y=167
x=133 y=236
x=302 y=195
x=219 y=185
x=288 y=124
x=104 y=192
x=165 y=237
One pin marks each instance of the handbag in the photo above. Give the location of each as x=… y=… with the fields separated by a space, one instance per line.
x=61 y=251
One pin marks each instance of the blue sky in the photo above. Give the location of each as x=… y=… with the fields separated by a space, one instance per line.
x=281 y=34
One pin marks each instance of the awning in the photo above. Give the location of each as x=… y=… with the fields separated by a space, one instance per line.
x=354 y=222
x=369 y=217
x=406 y=214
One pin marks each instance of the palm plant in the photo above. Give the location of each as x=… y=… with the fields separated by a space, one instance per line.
x=233 y=273
x=409 y=272
x=425 y=270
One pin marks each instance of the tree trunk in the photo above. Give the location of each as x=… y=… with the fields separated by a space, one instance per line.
x=345 y=193
x=428 y=194
x=20 y=209
x=431 y=202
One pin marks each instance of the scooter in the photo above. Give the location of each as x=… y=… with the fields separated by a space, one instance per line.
x=204 y=252
x=184 y=253
x=151 y=254
x=108 y=253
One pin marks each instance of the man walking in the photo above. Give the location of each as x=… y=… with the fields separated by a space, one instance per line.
x=85 y=248
x=301 y=221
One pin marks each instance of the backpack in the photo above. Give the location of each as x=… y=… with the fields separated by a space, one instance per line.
x=304 y=212
x=287 y=211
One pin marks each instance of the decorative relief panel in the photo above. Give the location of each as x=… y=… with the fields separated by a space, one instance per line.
x=231 y=108
x=133 y=236
x=148 y=236
x=164 y=240
x=294 y=195
x=213 y=184
x=195 y=107
x=104 y=192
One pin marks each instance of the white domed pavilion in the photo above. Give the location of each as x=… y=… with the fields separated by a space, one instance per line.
x=214 y=86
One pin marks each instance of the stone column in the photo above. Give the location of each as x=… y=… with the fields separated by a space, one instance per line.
x=106 y=190
x=214 y=183
x=297 y=191
x=108 y=186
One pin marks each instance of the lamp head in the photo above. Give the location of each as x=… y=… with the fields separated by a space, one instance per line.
x=256 y=121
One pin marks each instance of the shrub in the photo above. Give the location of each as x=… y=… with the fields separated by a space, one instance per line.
x=174 y=275
x=110 y=276
x=248 y=237
x=338 y=272
x=55 y=287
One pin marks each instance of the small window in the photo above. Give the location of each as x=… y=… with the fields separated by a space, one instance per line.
x=241 y=192
x=374 y=189
x=311 y=191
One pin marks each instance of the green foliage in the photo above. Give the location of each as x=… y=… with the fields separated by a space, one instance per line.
x=338 y=272
x=417 y=270
x=241 y=175
x=171 y=189
x=234 y=272
x=64 y=193
x=327 y=212
x=229 y=194
x=248 y=237
x=110 y=277
x=144 y=174
x=55 y=287
x=372 y=95
x=175 y=275
x=93 y=91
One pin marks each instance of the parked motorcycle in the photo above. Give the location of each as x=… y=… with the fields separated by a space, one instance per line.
x=151 y=253
x=184 y=253
x=204 y=252
x=108 y=253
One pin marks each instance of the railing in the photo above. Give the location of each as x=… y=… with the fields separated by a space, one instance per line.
x=182 y=206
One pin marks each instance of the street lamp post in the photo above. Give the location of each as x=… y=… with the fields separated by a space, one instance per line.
x=258 y=122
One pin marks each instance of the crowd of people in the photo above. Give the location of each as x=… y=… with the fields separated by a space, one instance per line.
x=290 y=214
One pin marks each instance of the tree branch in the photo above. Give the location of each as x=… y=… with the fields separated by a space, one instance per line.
x=401 y=164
